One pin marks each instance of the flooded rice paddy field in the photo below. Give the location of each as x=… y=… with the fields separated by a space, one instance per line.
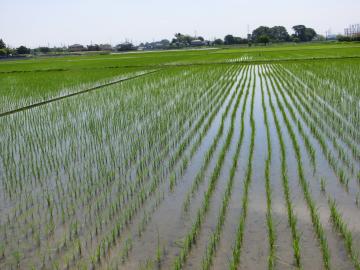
x=232 y=166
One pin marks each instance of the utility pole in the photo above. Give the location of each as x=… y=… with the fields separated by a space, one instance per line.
x=248 y=33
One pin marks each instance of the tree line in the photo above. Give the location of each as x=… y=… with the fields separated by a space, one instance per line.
x=260 y=35
x=275 y=34
x=7 y=51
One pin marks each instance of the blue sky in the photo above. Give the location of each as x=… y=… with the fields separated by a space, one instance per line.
x=63 y=22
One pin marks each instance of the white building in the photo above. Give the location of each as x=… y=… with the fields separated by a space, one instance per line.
x=197 y=42
x=105 y=47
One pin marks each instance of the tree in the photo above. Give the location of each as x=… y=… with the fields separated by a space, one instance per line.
x=275 y=33
x=165 y=42
x=348 y=39
x=44 y=49
x=218 y=41
x=180 y=38
x=310 y=34
x=2 y=44
x=279 y=34
x=23 y=50
x=303 y=33
x=127 y=46
x=294 y=38
x=343 y=38
x=320 y=38
x=229 y=39
x=299 y=31
x=6 y=52
x=264 y=39
x=260 y=31
x=94 y=47
x=239 y=40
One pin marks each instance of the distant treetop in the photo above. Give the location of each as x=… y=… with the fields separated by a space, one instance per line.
x=274 y=34
x=303 y=33
x=280 y=34
x=2 y=44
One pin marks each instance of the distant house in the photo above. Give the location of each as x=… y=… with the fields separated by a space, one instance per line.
x=127 y=46
x=76 y=48
x=159 y=45
x=105 y=47
x=163 y=44
x=331 y=37
x=197 y=42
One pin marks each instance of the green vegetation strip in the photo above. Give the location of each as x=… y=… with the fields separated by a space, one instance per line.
x=191 y=237
x=74 y=94
x=269 y=216
x=215 y=236
x=315 y=216
x=201 y=174
x=255 y=62
x=235 y=260
x=292 y=219
x=203 y=63
x=321 y=133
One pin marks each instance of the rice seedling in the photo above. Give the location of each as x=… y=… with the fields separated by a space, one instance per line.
x=342 y=227
x=235 y=260
x=215 y=236
x=82 y=176
x=342 y=176
x=126 y=250
x=319 y=113
x=17 y=258
x=190 y=238
x=307 y=193
x=323 y=184
x=200 y=176
x=269 y=216
x=285 y=182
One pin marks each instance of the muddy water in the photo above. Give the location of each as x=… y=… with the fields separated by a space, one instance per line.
x=209 y=225
x=311 y=97
x=310 y=252
x=345 y=202
x=133 y=233
x=224 y=249
x=197 y=198
x=329 y=130
x=353 y=185
x=339 y=259
x=284 y=252
x=254 y=255
x=168 y=222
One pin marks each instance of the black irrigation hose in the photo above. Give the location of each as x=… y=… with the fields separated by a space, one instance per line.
x=34 y=105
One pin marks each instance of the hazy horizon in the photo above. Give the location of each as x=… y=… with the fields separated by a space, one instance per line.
x=57 y=23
